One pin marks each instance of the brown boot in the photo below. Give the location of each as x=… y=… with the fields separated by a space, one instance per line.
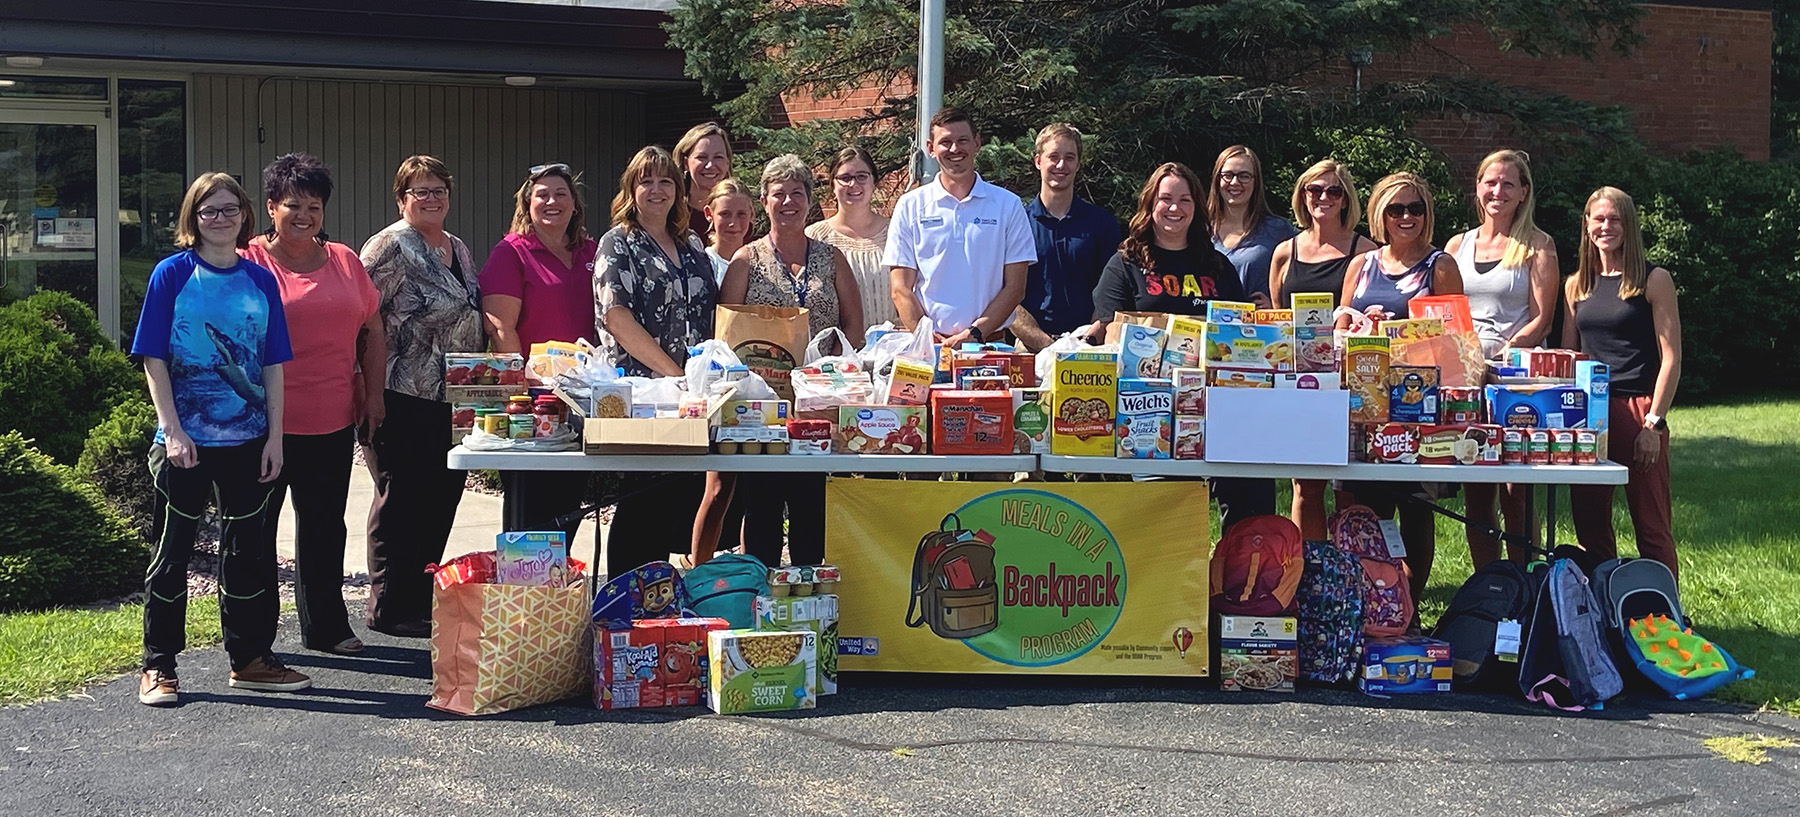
x=268 y=674
x=158 y=688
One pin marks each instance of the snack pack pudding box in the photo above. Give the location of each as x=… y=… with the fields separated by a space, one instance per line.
x=1405 y=665
x=1082 y=393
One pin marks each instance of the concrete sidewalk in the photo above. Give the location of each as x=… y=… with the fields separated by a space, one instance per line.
x=477 y=521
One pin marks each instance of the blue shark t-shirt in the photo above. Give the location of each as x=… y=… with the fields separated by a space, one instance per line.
x=215 y=329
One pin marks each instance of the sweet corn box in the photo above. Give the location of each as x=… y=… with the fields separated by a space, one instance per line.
x=1184 y=348
x=1083 y=389
x=816 y=613
x=1146 y=418
x=762 y=671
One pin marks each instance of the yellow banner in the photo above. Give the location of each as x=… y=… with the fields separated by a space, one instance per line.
x=1090 y=578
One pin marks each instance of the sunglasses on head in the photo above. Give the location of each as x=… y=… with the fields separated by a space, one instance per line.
x=1319 y=191
x=1397 y=209
x=553 y=167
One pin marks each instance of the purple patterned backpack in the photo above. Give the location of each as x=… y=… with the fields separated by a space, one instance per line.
x=1387 y=591
x=1331 y=614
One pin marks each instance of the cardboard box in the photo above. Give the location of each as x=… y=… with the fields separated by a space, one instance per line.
x=1228 y=312
x=1031 y=421
x=1282 y=426
x=1146 y=418
x=1251 y=346
x=1365 y=377
x=909 y=384
x=971 y=422
x=1227 y=377
x=1405 y=665
x=1389 y=442
x=1260 y=653
x=1308 y=380
x=755 y=413
x=816 y=613
x=760 y=671
x=1190 y=392
x=1083 y=392
x=1122 y=319
x=1460 y=445
x=484 y=369
x=1185 y=346
x=1413 y=394
x=1538 y=406
x=654 y=663
x=660 y=435
x=882 y=429
x=1314 y=309
x=1141 y=350
x=1190 y=438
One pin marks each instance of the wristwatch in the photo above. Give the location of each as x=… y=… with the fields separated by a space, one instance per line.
x=1654 y=422
x=975 y=332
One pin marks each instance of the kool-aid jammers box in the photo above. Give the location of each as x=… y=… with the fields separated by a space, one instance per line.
x=654 y=663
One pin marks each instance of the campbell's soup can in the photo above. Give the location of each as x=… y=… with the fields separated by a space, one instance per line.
x=1562 y=446
x=1537 y=446
x=1512 y=446
x=1587 y=446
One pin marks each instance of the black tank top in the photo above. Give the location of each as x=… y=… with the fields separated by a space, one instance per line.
x=1621 y=334
x=1304 y=276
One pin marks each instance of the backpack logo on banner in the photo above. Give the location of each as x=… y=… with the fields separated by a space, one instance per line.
x=1387 y=588
x=1331 y=614
x=1256 y=568
x=953 y=587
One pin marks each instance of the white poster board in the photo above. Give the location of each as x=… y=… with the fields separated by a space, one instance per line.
x=1278 y=426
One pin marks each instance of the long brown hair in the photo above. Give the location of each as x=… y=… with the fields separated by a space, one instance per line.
x=1140 y=234
x=650 y=161
x=521 y=223
x=1588 y=268
x=187 y=224
x=1215 y=199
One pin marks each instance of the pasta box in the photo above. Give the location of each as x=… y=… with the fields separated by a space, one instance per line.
x=816 y=613
x=1146 y=418
x=971 y=422
x=1405 y=665
x=882 y=429
x=1260 y=653
x=1538 y=406
x=762 y=671
x=653 y=663
x=1083 y=390
x=1413 y=394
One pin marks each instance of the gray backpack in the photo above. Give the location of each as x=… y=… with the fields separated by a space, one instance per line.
x=1564 y=661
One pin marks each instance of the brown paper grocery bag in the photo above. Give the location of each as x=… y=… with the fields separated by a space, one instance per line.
x=1159 y=320
x=497 y=647
x=771 y=340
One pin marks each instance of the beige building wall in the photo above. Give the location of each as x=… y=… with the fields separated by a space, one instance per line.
x=488 y=136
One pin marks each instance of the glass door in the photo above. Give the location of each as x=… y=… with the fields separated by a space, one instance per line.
x=58 y=208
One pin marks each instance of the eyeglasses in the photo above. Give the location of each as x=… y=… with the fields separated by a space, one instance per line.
x=1319 y=191
x=854 y=178
x=1230 y=177
x=214 y=213
x=1396 y=210
x=428 y=193
x=553 y=167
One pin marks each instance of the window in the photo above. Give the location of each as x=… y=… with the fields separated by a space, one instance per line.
x=152 y=180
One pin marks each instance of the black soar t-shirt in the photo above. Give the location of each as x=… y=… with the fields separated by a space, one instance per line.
x=1181 y=284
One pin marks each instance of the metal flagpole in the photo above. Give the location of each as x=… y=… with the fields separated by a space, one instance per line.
x=930 y=91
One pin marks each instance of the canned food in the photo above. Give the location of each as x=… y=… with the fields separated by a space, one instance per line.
x=1587 y=446
x=1562 y=446
x=1537 y=446
x=1512 y=446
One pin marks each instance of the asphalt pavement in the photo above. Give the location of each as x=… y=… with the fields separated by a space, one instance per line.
x=362 y=741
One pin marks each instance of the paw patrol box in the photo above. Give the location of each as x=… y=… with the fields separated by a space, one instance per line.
x=653 y=663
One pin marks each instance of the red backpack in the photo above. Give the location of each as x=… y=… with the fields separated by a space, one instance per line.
x=1387 y=588
x=1256 y=568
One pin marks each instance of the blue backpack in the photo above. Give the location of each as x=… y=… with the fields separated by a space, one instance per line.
x=1331 y=614
x=726 y=587
x=1564 y=661
x=651 y=591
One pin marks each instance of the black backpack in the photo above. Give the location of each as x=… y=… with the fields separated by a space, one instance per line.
x=1499 y=591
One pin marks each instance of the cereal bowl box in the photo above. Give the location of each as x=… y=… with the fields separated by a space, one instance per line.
x=1141 y=350
x=1146 y=418
x=1083 y=392
x=766 y=671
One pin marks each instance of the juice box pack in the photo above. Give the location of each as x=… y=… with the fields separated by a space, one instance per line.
x=1146 y=418
x=816 y=613
x=1082 y=393
x=761 y=671
x=532 y=558
x=653 y=663
x=1141 y=350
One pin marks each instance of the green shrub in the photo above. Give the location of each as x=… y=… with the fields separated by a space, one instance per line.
x=115 y=461
x=59 y=375
x=60 y=543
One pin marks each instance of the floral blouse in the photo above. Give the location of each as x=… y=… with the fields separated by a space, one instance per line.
x=428 y=307
x=772 y=284
x=674 y=305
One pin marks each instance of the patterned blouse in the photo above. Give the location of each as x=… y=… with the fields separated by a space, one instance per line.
x=872 y=276
x=674 y=305
x=771 y=284
x=428 y=307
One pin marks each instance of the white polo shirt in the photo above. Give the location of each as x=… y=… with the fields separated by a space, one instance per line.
x=960 y=248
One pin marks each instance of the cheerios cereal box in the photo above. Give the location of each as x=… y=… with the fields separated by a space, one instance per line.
x=1083 y=389
x=755 y=671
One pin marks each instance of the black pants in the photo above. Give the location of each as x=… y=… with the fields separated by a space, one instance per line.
x=766 y=496
x=1241 y=498
x=248 y=604
x=656 y=521
x=416 y=496
x=534 y=498
x=317 y=471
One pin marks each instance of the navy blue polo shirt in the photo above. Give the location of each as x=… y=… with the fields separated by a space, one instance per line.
x=1071 y=251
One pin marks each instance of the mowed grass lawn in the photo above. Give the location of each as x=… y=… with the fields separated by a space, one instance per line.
x=51 y=653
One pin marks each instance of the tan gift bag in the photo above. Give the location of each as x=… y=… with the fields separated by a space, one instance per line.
x=497 y=647
x=771 y=340
x=1159 y=320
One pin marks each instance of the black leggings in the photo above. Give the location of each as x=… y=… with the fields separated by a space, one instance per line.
x=317 y=471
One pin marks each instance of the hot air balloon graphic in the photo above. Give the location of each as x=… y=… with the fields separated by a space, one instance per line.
x=1184 y=638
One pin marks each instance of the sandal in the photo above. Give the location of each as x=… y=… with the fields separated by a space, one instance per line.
x=349 y=646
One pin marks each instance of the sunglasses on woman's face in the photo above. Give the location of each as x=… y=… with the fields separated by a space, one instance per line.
x=1319 y=191
x=1396 y=210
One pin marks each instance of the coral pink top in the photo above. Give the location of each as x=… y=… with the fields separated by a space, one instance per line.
x=326 y=309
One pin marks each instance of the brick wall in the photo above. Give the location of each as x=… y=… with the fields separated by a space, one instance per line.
x=1701 y=78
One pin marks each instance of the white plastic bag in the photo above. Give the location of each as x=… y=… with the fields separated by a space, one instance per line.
x=708 y=363
x=1072 y=342
x=565 y=440
x=815 y=349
